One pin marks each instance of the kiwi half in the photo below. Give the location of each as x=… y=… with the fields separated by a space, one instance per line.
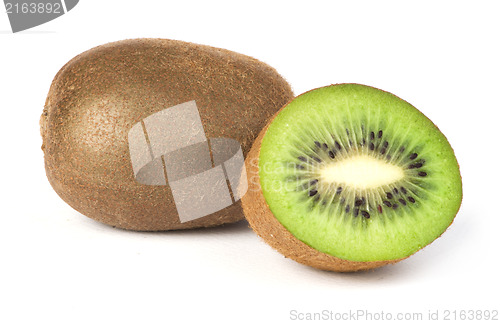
x=349 y=177
x=98 y=96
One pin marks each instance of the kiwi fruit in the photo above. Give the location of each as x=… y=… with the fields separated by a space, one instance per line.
x=349 y=177
x=98 y=96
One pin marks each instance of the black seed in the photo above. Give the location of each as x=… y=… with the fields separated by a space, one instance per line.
x=347 y=131
x=337 y=145
x=325 y=146
x=411 y=199
x=317 y=159
x=403 y=190
x=350 y=142
x=395 y=190
x=380 y=134
x=330 y=153
x=379 y=208
x=386 y=144
x=395 y=206
x=415 y=165
x=300 y=166
x=402 y=149
x=388 y=156
x=365 y=214
x=422 y=173
x=372 y=146
x=363 y=142
x=313 y=182
x=388 y=204
x=402 y=201
x=342 y=200
x=339 y=190
x=318 y=144
x=347 y=209
x=372 y=136
x=356 y=212
x=358 y=202
x=316 y=198
x=389 y=195
x=313 y=192
x=302 y=158
x=382 y=150
x=413 y=156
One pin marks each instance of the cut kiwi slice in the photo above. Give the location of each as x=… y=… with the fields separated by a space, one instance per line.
x=351 y=177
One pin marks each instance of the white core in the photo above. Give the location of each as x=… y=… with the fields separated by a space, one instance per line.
x=361 y=172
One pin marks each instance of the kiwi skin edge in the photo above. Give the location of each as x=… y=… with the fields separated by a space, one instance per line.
x=263 y=222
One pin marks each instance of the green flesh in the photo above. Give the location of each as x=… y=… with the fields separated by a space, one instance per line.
x=355 y=223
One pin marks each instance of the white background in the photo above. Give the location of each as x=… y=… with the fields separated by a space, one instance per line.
x=58 y=266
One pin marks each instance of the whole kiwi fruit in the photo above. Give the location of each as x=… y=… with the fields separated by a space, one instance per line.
x=98 y=96
x=349 y=177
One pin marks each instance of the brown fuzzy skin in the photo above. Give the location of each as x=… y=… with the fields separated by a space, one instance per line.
x=99 y=95
x=264 y=223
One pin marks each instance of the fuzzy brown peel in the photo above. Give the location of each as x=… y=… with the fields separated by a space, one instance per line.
x=97 y=97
